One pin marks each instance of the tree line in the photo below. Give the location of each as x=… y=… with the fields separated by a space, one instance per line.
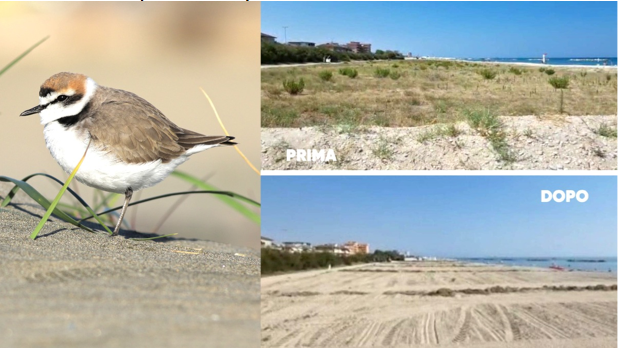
x=276 y=53
x=278 y=261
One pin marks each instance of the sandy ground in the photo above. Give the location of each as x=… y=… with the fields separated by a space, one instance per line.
x=366 y=306
x=548 y=143
x=72 y=288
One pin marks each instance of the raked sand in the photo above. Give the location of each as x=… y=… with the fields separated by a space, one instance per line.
x=72 y=288
x=387 y=305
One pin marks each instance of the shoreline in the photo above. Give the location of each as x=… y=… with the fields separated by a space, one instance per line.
x=557 y=263
x=533 y=65
x=540 y=65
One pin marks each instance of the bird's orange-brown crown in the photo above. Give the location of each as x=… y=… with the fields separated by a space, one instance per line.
x=64 y=82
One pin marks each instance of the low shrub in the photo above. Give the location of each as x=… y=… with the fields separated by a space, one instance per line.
x=293 y=87
x=349 y=72
x=381 y=73
x=515 y=71
x=395 y=75
x=325 y=75
x=488 y=74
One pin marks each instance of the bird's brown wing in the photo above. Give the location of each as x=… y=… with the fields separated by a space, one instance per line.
x=189 y=139
x=135 y=131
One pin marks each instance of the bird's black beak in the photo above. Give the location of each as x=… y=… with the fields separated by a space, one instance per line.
x=34 y=110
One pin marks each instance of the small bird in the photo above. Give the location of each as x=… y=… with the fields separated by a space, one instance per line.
x=132 y=144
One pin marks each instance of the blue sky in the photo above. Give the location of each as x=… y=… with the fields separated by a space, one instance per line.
x=490 y=29
x=448 y=216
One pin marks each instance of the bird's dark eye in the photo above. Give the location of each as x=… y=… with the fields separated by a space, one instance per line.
x=62 y=97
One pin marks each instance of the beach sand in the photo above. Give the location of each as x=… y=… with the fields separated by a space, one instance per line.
x=72 y=288
x=389 y=305
x=553 y=143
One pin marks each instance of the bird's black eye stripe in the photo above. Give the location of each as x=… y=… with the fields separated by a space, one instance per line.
x=67 y=100
x=73 y=99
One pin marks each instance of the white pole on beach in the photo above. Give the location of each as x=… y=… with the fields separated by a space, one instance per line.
x=544 y=54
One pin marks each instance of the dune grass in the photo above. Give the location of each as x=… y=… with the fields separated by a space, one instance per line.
x=427 y=92
x=230 y=198
x=25 y=53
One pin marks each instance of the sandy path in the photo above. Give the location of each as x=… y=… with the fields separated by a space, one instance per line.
x=352 y=308
x=72 y=288
x=563 y=143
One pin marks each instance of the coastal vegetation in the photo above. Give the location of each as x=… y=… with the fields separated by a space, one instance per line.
x=294 y=87
x=278 y=261
x=423 y=92
x=276 y=53
x=560 y=83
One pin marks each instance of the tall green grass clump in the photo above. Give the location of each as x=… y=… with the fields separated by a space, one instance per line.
x=560 y=83
x=515 y=71
x=325 y=75
x=606 y=130
x=550 y=71
x=381 y=73
x=488 y=74
x=395 y=75
x=349 y=72
x=489 y=126
x=294 y=87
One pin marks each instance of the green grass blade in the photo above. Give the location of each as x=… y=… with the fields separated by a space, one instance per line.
x=226 y=193
x=35 y=195
x=52 y=207
x=73 y=209
x=229 y=201
x=22 y=56
x=13 y=191
x=109 y=198
x=157 y=237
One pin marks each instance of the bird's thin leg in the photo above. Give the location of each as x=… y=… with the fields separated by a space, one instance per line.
x=127 y=198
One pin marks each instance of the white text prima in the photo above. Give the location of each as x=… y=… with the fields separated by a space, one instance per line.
x=311 y=155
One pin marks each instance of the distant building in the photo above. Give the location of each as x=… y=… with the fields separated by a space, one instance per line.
x=358 y=47
x=301 y=44
x=266 y=242
x=297 y=247
x=357 y=248
x=333 y=46
x=333 y=248
x=268 y=38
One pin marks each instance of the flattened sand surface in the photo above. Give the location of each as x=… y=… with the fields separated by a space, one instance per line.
x=72 y=288
x=366 y=306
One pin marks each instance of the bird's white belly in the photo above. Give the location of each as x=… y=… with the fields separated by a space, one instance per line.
x=101 y=169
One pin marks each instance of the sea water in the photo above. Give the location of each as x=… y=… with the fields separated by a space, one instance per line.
x=589 y=264
x=600 y=61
